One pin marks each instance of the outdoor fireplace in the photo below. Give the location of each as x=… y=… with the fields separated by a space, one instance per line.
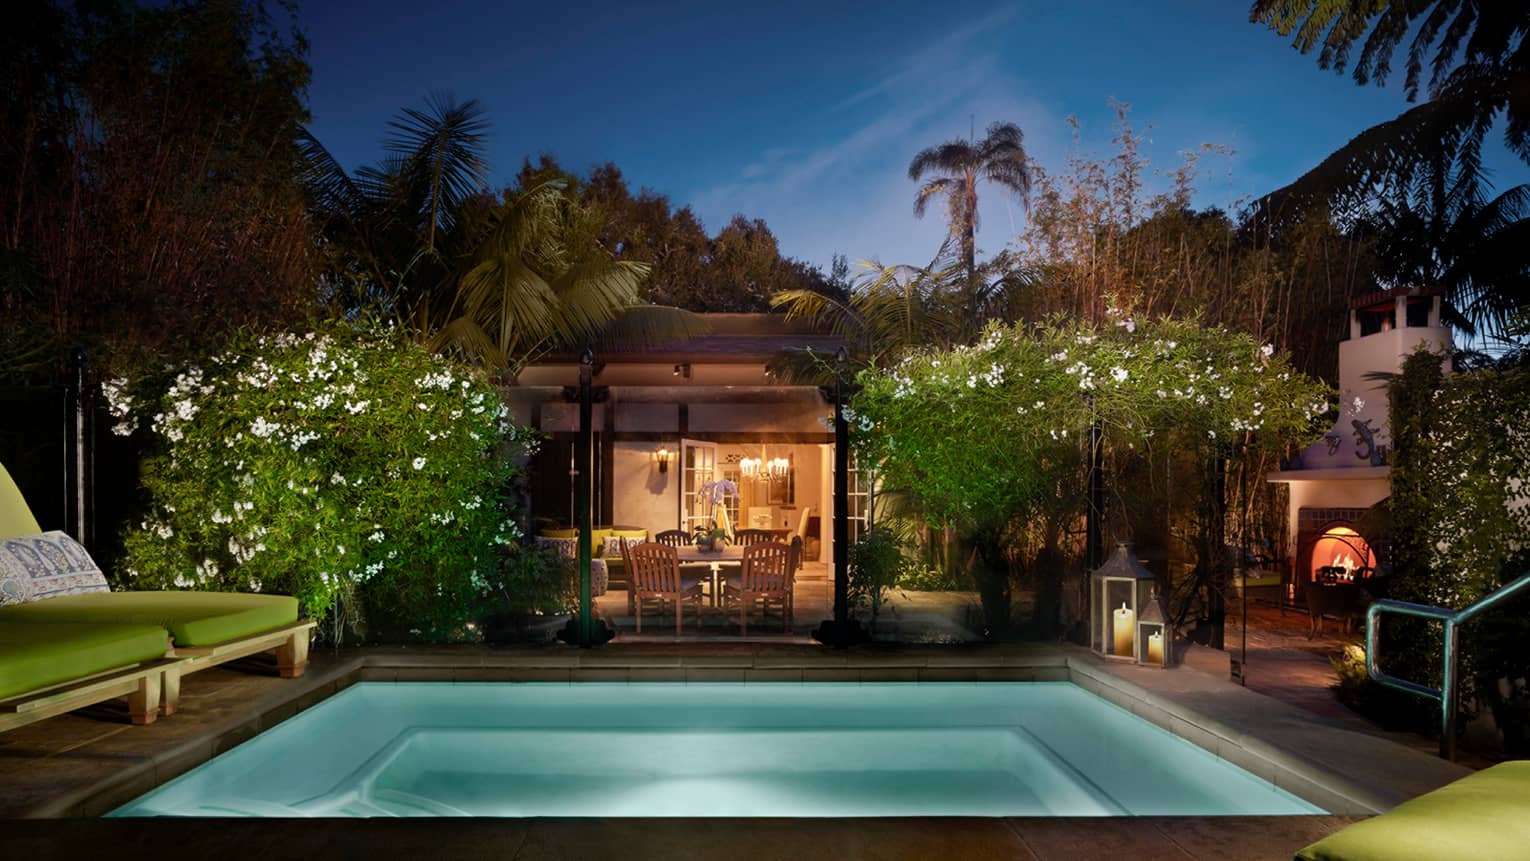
x=1331 y=550
x=1341 y=555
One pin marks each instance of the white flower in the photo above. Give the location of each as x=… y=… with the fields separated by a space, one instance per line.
x=419 y=463
x=1118 y=374
x=1267 y=350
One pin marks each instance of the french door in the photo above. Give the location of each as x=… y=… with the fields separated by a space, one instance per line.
x=698 y=465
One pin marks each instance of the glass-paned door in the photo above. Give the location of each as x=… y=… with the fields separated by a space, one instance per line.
x=698 y=466
x=862 y=496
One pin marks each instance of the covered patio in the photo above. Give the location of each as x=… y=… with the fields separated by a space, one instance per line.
x=667 y=447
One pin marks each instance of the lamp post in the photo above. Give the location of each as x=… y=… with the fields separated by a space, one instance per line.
x=841 y=631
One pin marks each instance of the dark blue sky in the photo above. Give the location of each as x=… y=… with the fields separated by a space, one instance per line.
x=806 y=114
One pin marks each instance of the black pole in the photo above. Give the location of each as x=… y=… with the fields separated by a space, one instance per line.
x=582 y=455
x=842 y=630
x=841 y=498
x=585 y=632
x=1094 y=545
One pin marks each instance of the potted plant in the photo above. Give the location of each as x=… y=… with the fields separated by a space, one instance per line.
x=711 y=537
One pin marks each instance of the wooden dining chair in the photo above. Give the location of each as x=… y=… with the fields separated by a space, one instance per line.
x=766 y=577
x=748 y=537
x=655 y=575
x=674 y=538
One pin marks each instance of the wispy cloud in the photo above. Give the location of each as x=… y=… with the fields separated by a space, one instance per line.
x=848 y=191
x=931 y=59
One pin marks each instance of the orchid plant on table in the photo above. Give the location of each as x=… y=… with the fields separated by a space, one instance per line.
x=713 y=493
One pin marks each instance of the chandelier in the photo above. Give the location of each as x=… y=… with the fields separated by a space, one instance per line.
x=777 y=468
x=749 y=467
x=760 y=469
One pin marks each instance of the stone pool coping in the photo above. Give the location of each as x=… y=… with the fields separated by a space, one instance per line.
x=1344 y=771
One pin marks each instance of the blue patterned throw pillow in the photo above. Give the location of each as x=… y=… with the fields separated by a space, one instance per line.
x=34 y=567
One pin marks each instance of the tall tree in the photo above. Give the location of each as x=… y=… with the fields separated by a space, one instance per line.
x=149 y=193
x=1478 y=61
x=502 y=278
x=957 y=166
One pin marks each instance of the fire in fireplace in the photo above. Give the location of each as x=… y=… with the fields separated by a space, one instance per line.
x=1341 y=555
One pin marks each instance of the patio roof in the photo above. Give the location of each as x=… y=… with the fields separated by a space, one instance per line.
x=733 y=338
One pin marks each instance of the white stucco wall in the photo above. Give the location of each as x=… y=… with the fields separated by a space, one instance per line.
x=641 y=496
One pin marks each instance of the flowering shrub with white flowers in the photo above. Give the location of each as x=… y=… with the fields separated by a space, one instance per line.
x=979 y=434
x=349 y=467
x=965 y=430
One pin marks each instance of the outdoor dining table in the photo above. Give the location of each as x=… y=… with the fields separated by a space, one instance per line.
x=731 y=555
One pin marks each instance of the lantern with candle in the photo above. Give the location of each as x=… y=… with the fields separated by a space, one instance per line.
x=1152 y=636
x=1119 y=592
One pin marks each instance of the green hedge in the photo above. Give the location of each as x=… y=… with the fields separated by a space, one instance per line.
x=1460 y=509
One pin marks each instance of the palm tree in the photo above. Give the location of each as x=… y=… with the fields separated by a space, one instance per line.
x=1442 y=231
x=955 y=168
x=502 y=280
x=892 y=309
x=393 y=227
x=538 y=279
x=1479 y=73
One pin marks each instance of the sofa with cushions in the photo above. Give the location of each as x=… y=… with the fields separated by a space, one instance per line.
x=603 y=546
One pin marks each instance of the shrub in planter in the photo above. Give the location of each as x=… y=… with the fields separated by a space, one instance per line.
x=534 y=586
x=876 y=560
x=349 y=467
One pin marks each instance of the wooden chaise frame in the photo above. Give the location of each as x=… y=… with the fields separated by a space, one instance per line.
x=141 y=683
x=290 y=642
x=153 y=688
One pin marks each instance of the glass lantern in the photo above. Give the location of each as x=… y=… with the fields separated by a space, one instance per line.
x=1119 y=591
x=1152 y=635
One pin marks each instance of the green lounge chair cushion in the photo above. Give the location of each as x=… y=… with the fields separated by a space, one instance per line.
x=39 y=655
x=192 y=618
x=15 y=517
x=1486 y=815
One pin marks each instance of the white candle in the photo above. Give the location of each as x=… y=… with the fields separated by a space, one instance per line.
x=1125 y=632
x=1155 y=648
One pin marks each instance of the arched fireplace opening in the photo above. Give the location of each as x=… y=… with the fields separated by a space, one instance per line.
x=1340 y=555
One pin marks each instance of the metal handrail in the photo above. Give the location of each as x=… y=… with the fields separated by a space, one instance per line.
x=1448 y=694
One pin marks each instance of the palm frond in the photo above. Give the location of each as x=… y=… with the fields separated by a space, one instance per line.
x=947 y=187
x=331 y=189
x=951 y=157
x=444 y=157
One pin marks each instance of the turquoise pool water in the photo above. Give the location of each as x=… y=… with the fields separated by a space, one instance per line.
x=1044 y=749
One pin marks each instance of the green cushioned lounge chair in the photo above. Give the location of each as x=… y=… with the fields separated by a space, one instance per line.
x=207 y=627
x=47 y=669
x=1484 y=816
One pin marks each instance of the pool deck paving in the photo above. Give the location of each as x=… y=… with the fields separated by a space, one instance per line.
x=86 y=763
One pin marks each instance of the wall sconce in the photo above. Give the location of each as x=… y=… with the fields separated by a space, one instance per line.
x=661 y=457
x=683 y=370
